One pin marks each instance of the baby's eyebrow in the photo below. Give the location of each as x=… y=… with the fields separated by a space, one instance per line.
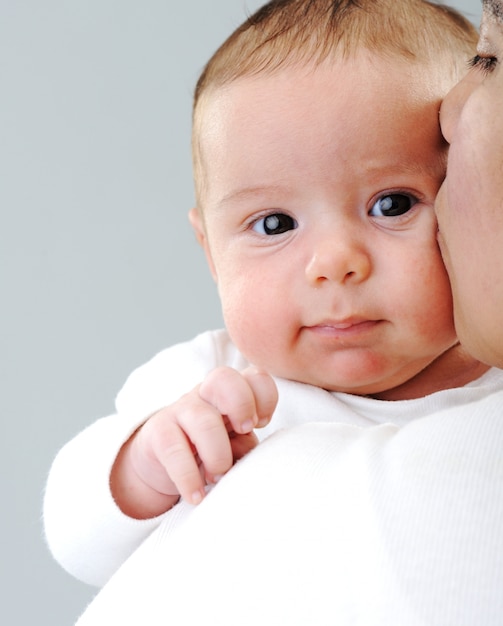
x=248 y=193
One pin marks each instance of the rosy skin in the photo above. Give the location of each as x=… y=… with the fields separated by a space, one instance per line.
x=318 y=225
x=347 y=298
x=470 y=203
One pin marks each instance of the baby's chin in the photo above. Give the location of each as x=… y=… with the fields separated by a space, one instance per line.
x=356 y=370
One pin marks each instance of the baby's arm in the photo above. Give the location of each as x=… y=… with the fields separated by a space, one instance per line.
x=85 y=530
x=87 y=533
x=192 y=442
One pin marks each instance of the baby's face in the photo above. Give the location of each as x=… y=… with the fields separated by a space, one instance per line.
x=319 y=222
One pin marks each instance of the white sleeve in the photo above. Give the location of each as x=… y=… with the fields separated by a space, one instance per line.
x=85 y=530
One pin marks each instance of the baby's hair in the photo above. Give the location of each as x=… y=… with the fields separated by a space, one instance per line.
x=303 y=32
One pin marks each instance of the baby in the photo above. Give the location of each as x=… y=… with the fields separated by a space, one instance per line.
x=317 y=158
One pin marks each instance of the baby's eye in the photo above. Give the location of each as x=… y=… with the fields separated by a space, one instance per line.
x=486 y=64
x=392 y=205
x=274 y=224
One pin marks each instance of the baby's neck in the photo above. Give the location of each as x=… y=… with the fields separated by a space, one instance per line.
x=453 y=368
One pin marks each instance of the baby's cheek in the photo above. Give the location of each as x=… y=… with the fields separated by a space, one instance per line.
x=241 y=320
x=251 y=332
x=437 y=322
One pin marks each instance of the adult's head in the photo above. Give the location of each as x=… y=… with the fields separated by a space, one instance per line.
x=470 y=203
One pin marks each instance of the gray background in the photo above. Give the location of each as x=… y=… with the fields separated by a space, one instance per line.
x=99 y=269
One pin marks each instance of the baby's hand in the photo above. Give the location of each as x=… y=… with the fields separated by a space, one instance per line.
x=192 y=442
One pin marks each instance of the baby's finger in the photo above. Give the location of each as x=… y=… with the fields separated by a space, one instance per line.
x=206 y=430
x=265 y=393
x=173 y=450
x=230 y=393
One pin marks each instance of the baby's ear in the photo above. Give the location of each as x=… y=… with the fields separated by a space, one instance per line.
x=196 y=221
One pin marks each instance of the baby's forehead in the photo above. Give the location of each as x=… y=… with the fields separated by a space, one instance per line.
x=266 y=127
x=424 y=79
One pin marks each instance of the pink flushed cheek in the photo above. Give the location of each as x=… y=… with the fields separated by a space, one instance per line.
x=257 y=329
x=241 y=319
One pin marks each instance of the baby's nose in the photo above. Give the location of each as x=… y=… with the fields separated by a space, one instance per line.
x=338 y=259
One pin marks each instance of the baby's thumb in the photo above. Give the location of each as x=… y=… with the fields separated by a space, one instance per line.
x=264 y=391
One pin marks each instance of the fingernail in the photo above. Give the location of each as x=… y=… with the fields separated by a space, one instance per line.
x=213 y=479
x=247 y=426
x=197 y=497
